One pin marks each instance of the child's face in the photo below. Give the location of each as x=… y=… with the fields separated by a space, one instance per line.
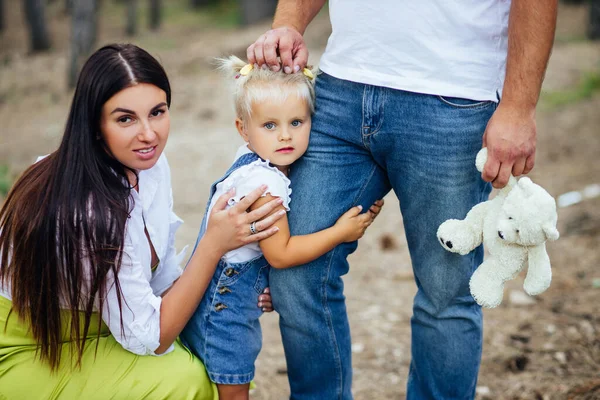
x=278 y=132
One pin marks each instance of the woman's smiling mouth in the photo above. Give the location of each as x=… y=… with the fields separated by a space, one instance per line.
x=146 y=153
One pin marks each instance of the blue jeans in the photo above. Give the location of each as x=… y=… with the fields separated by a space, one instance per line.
x=224 y=331
x=365 y=141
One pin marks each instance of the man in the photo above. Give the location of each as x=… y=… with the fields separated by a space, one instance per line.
x=408 y=95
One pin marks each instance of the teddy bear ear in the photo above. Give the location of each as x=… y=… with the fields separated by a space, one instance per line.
x=525 y=181
x=481 y=159
x=551 y=232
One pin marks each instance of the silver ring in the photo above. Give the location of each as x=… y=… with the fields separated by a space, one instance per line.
x=253 y=230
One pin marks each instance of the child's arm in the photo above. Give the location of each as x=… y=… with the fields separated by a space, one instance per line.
x=283 y=251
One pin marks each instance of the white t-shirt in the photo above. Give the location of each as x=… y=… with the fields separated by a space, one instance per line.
x=141 y=289
x=444 y=47
x=245 y=179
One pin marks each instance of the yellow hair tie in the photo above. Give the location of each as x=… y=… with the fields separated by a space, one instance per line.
x=308 y=73
x=246 y=69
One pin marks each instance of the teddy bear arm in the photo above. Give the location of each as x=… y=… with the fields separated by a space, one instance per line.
x=539 y=272
x=462 y=236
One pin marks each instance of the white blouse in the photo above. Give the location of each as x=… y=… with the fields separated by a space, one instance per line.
x=245 y=179
x=141 y=289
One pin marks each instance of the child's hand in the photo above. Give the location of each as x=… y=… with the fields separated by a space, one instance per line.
x=265 y=302
x=376 y=208
x=353 y=224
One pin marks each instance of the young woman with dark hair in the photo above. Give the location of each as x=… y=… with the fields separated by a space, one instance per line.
x=89 y=278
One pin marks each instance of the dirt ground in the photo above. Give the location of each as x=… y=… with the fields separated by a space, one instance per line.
x=544 y=348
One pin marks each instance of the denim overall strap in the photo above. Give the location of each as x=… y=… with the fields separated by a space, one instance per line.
x=244 y=160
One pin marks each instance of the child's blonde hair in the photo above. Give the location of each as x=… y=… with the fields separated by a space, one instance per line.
x=263 y=84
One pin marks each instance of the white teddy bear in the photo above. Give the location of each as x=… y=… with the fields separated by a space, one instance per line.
x=514 y=227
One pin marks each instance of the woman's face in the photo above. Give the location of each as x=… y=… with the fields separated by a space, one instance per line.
x=135 y=125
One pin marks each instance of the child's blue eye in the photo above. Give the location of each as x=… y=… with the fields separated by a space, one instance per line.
x=269 y=125
x=296 y=123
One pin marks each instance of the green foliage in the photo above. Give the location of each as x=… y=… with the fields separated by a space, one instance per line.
x=587 y=87
x=5 y=180
x=223 y=14
x=179 y=13
x=569 y=38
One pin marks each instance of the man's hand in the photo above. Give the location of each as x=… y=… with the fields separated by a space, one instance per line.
x=510 y=137
x=285 y=42
x=511 y=134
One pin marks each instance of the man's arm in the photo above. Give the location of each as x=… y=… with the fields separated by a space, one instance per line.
x=285 y=39
x=296 y=14
x=511 y=133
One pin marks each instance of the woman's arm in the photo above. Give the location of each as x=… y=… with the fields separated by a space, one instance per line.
x=283 y=250
x=146 y=324
x=227 y=230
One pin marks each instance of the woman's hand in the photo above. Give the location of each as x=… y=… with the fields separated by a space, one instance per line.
x=229 y=229
x=264 y=301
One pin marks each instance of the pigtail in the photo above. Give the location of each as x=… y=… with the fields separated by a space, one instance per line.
x=230 y=66
x=249 y=84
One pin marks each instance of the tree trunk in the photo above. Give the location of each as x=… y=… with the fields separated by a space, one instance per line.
x=593 y=31
x=1 y=15
x=131 y=18
x=255 y=11
x=35 y=14
x=84 y=26
x=155 y=14
x=69 y=7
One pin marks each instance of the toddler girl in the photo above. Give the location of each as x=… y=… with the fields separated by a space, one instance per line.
x=274 y=118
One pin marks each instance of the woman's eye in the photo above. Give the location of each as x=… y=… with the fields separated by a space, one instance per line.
x=510 y=217
x=269 y=126
x=125 y=119
x=296 y=123
x=158 y=112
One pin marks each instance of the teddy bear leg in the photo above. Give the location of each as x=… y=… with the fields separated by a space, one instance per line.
x=486 y=287
x=539 y=273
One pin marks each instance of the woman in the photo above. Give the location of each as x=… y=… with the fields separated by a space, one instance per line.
x=87 y=257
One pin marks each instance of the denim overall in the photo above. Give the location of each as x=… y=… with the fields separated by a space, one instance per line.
x=224 y=331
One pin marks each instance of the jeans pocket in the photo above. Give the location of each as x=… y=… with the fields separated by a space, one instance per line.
x=458 y=102
x=232 y=272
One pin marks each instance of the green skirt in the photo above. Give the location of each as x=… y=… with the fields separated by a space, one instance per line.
x=110 y=373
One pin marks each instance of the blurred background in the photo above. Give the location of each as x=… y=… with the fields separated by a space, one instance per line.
x=540 y=348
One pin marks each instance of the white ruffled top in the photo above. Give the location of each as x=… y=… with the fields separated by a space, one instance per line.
x=245 y=179
x=141 y=289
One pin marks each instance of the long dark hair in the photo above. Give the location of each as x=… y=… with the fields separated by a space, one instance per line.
x=62 y=226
